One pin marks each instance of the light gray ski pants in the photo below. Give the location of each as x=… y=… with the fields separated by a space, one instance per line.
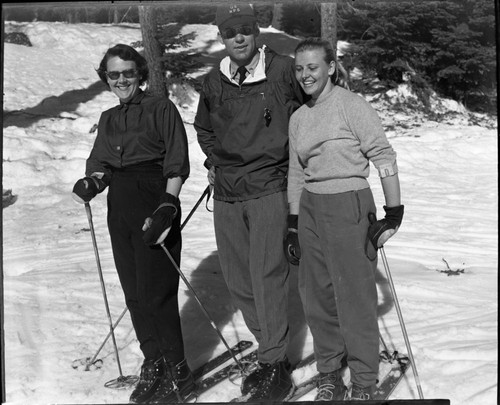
x=337 y=282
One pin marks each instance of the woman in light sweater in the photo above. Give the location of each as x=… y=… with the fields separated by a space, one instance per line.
x=332 y=140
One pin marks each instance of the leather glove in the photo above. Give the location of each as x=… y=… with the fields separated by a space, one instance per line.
x=87 y=188
x=392 y=220
x=291 y=242
x=157 y=226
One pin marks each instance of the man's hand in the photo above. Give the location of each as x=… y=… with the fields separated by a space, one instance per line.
x=211 y=175
x=291 y=242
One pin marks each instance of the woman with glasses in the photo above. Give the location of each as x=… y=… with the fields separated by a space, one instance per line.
x=141 y=154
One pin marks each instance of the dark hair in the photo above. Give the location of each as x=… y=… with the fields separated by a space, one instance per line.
x=340 y=77
x=124 y=52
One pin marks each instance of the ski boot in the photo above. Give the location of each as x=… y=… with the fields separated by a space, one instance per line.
x=330 y=387
x=252 y=379
x=176 y=386
x=275 y=383
x=152 y=372
x=361 y=394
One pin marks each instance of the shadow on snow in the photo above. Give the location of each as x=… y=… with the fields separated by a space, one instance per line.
x=52 y=107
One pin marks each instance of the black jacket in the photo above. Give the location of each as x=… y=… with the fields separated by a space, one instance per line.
x=249 y=152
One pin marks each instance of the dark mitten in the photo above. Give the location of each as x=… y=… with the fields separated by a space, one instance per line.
x=158 y=225
x=208 y=163
x=291 y=242
x=392 y=220
x=87 y=188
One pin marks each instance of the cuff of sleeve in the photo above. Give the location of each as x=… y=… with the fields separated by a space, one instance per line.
x=387 y=170
x=101 y=180
x=169 y=200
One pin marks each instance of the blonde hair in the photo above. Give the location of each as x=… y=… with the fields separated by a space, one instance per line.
x=340 y=77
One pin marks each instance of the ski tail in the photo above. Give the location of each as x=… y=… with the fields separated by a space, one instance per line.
x=220 y=359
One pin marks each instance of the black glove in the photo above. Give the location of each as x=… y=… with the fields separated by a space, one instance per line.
x=392 y=220
x=291 y=242
x=158 y=225
x=87 y=188
x=208 y=163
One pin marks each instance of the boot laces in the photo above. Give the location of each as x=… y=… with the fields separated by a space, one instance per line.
x=149 y=371
x=325 y=392
x=326 y=387
x=358 y=394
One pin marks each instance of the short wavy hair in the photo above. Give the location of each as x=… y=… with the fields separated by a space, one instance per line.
x=124 y=52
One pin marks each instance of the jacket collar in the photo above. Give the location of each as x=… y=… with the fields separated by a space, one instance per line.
x=259 y=72
x=135 y=100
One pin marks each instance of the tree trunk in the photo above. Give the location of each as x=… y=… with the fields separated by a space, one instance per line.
x=157 y=83
x=116 y=16
x=277 y=13
x=329 y=22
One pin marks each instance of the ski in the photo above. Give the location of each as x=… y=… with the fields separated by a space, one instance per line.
x=206 y=383
x=399 y=364
x=307 y=385
x=217 y=361
x=303 y=388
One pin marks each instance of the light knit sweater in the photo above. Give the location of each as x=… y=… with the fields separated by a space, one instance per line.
x=332 y=142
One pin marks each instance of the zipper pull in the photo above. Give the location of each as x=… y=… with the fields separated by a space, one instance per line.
x=267 y=116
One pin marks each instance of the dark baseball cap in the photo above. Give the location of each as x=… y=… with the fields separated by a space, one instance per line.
x=232 y=15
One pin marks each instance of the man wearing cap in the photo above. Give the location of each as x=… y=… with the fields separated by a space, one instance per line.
x=242 y=127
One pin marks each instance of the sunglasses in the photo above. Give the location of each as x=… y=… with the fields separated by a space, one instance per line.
x=128 y=74
x=229 y=33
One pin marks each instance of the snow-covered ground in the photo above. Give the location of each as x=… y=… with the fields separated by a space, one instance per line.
x=54 y=309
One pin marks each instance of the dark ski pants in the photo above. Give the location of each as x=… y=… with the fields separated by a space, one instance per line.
x=250 y=246
x=337 y=282
x=149 y=280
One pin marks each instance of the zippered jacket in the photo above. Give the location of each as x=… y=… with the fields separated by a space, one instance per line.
x=243 y=130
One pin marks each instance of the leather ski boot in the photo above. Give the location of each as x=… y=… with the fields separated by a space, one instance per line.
x=176 y=386
x=152 y=372
x=330 y=387
x=361 y=394
x=253 y=379
x=275 y=383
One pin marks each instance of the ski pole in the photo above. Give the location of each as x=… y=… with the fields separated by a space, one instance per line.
x=240 y=366
x=401 y=322
x=207 y=191
x=386 y=349
x=121 y=379
x=108 y=336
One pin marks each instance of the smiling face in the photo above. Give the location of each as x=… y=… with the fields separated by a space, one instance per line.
x=241 y=48
x=313 y=73
x=124 y=88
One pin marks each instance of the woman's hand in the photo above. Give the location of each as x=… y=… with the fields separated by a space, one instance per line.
x=382 y=230
x=386 y=235
x=157 y=227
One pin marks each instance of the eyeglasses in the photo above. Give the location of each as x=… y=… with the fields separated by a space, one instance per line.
x=128 y=74
x=229 y=33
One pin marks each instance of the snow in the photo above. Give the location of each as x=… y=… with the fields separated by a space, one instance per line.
x=53 y=303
